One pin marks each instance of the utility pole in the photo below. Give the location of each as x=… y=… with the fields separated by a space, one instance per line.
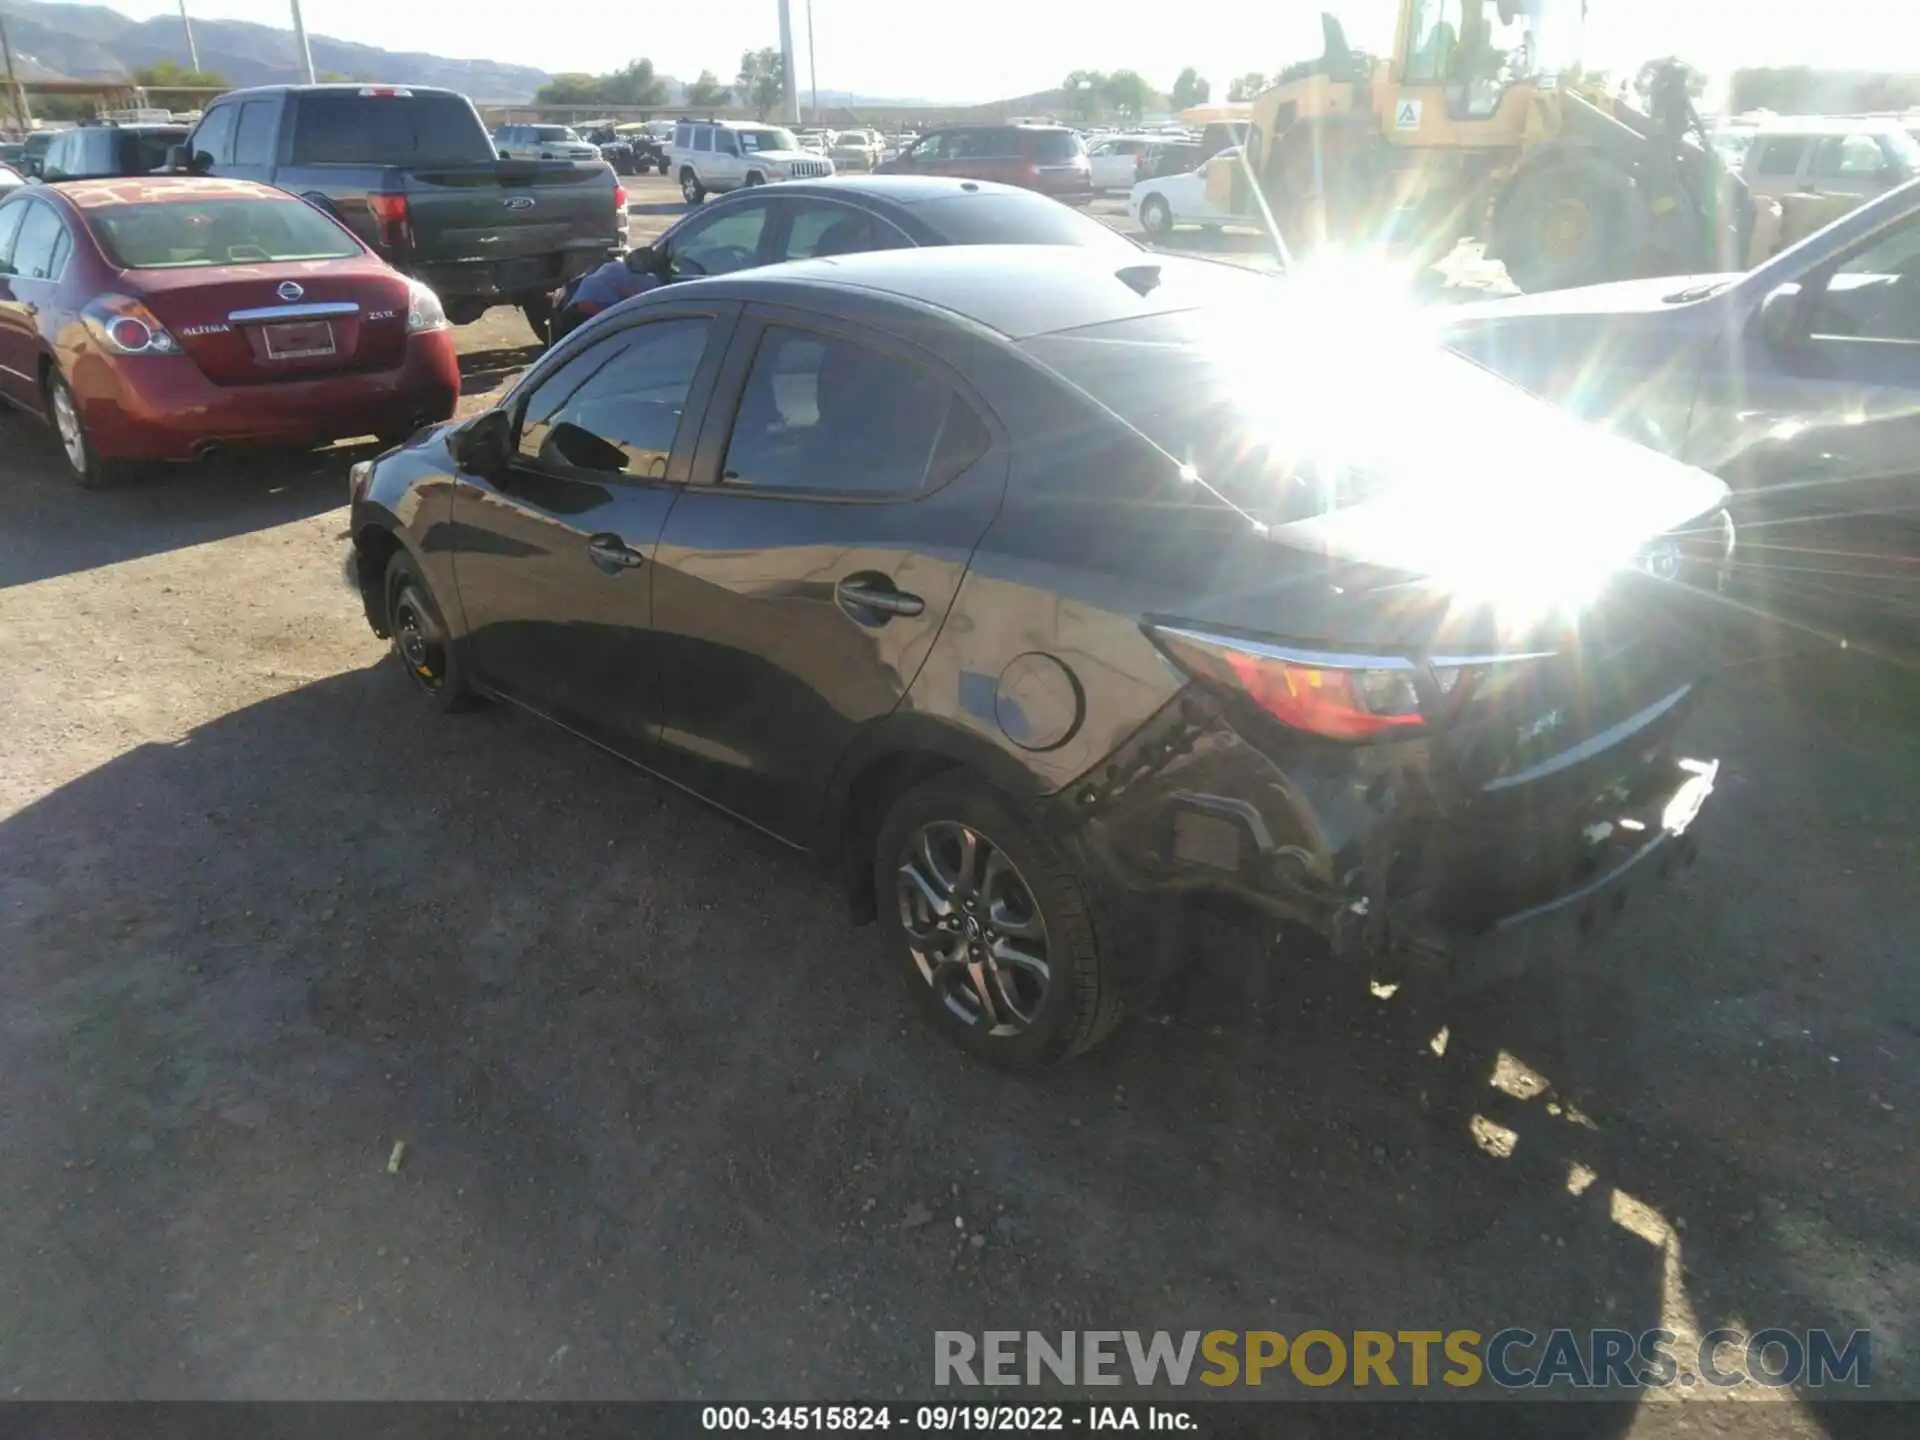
x=813 y=75
x=790 y=97
x=300 y=35
x=193 y=50
x=16 y=91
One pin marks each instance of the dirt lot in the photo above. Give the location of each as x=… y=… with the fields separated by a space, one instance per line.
x=672 y=1130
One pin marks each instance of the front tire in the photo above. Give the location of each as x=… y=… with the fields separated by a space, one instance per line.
x=421 y=642
x=1568 y=224
x=1156 y=216
x=992 y=931
x=691 y=190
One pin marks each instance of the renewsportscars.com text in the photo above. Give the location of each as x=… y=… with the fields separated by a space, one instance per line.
x=1513 y=1359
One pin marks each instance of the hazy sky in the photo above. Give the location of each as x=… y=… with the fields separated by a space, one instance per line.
x=984 y=49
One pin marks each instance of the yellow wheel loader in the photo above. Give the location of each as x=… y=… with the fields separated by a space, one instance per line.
x=1470 y=130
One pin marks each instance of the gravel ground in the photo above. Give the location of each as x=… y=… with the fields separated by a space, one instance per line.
x=671 y=1128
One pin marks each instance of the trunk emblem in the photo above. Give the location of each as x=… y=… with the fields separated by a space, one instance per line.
x=519 y=202
x=289 y=291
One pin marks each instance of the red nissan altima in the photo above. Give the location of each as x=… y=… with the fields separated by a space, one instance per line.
x=163 y=317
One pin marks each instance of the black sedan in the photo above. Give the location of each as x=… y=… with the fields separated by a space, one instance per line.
x=1026 y=592
x=1798 y=383
x=803 y=220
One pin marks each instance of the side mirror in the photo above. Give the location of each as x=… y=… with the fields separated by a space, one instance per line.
x=1781 y=317
x=481 y=446
x=643 y=260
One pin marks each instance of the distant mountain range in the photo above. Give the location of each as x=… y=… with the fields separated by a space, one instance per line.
x=91 y=42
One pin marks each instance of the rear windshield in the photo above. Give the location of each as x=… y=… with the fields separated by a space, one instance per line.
x=989 y=218
x=344 y=129
x=177 y=236
x=1053 y=147
x=148 y=148
x=1286 y=432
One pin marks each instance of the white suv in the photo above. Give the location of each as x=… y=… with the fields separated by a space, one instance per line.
x=715 y=156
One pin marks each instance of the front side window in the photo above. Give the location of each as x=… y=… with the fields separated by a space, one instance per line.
x=929 y=149
x=615 y=408
x=729 y=241
x=1875 y=292
x=214 y=138
x=827 y=415
x=1781 y=154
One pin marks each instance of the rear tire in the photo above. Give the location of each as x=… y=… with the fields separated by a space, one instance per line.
x=84 y=465
x=994 y=934
x=539 y=312
x=1156 y=216
x=691 y=190
x=1568 y=224
x=422 y=646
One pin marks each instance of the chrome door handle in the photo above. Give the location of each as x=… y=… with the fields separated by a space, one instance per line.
x=877 y=597
x=611 y=554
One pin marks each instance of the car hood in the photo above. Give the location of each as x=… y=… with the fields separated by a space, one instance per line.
x=1622 y=297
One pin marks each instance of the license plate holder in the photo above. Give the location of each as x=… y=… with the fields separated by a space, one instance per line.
x=299 y=340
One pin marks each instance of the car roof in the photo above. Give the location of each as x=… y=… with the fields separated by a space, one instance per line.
x=162 y=189
x=348 y=88
x=1020 y=291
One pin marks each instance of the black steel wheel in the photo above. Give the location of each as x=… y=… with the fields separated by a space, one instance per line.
x=993 y=930
x=421 y=642
x=691 y=190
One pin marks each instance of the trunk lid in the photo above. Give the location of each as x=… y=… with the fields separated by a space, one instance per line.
x=508 y=210
x=258 y=324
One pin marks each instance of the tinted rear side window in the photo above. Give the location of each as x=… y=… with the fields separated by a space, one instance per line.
x=1781 y=156
x=1054 y=147
x=996 y=219
x=387 y=129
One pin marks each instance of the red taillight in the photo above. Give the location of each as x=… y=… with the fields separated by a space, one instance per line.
x=1342 y=697
x=1032 y=172
x=391 y=220
x=619 y=199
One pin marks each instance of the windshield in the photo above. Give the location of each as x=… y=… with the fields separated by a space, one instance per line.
x=1465 y=43
x=555 y=134
x=1288 y=435
x=755 y=142
x=175 y=236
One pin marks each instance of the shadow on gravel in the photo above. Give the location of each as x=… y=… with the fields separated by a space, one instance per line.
x=672 y=1130
x=52 y=527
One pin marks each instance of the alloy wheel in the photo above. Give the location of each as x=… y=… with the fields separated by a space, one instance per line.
x=418 y=638
x=973 y=927
x=66 y=420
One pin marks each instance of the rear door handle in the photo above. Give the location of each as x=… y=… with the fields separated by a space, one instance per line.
x=611 y=554
x=876 y=596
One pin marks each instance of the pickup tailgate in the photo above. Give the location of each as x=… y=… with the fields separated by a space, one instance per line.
x=510 y=210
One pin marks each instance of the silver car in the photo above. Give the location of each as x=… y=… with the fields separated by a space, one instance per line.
x=542 y=142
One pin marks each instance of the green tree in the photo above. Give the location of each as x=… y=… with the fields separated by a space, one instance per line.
x=634 y=84
x=170 y=75
x=1128 y=92
x=1190 y=90
x=762 y=81
x=1247 y=86
x=707 y=92
x=1085 y=90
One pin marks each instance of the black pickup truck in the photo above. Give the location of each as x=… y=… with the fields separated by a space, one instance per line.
x=413 y=173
